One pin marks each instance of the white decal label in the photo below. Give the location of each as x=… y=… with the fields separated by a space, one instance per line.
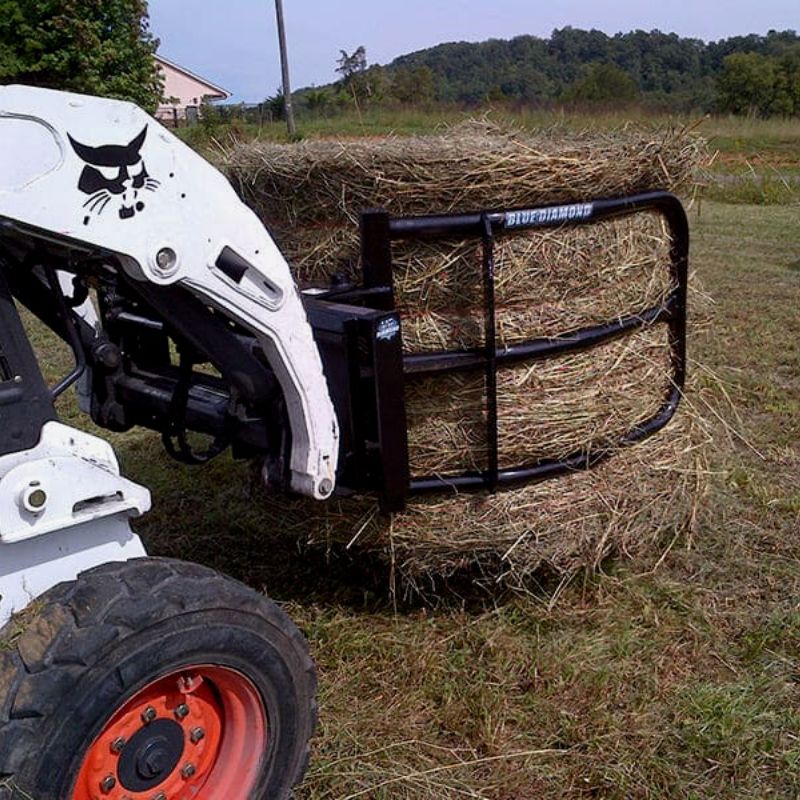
x=548 y=216
x=388 y=329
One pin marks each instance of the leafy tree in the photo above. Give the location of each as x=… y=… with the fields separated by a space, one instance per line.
x=413 y=85
x=786 y=92
x=100 y=47
x=747 y=83
x=276 y=104
x=603 y=83
x=351 y=67
x=317 y=100
x=359 y=84
x=353 y=64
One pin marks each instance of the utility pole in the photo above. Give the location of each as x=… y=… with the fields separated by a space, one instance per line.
x=287 y=89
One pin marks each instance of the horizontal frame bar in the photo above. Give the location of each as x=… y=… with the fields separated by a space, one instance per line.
x=424 y=364
x=437 y=226
x=549 y=468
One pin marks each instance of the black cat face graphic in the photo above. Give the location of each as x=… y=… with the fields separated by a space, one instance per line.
x=114 y=175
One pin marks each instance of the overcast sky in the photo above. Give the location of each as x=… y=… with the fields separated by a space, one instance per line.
x=234 y=42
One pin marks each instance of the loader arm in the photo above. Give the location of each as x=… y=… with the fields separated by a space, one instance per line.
x=96 y=189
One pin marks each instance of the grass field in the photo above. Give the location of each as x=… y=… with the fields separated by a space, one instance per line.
x=675 y=676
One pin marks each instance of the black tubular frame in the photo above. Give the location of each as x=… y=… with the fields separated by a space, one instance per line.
x=379 y=230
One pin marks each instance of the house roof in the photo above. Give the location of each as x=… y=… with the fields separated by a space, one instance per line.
x=217 y=90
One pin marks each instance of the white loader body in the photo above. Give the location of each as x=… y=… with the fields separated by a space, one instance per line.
x=103 y=174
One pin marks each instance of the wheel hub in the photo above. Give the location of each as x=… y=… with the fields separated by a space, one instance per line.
x=151 y=755
x=196 y=733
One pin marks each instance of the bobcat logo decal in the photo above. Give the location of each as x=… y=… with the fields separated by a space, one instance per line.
x=114 y=175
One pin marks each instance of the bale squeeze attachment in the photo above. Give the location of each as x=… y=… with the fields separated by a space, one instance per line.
x=359 y=333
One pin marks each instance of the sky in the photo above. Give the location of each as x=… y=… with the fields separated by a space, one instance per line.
x=234 y=44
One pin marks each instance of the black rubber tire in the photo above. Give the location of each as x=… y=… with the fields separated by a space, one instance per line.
x=94 y=642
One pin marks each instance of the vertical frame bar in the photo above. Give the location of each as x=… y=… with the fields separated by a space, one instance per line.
x=387 y=355
x=390 y=411
x=376 y=256
x=490 y=343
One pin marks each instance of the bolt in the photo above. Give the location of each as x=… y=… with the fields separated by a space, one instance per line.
x=108 y=355
x=188 y=771
x=182 y=711
x=148 y=715
x=118 y=745
x=197 y=735
x=187 y=684
x=33 y=498
x=166 y=262
x=107 y=784
x=160 y=796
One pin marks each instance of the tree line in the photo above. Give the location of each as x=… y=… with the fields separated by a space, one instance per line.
x=751 y=74
x=106 y=48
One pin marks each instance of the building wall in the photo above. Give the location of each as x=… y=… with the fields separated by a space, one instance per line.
x=189 y=93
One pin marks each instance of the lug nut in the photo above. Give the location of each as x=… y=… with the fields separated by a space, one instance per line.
x=188 y=771
x=148 y=715
x=197 y=735
x=107 y=784
x=118 y=745
x=182 y=711
x=160 y=796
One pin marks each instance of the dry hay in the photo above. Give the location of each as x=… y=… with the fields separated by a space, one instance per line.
x=548 y=282
x=547 y=409
x=310 y=196
x=623 y=506
x=325 y=183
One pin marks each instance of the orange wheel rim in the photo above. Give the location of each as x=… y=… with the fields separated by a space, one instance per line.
x=200 y=733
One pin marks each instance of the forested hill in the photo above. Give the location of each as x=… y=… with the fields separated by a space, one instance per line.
x=587 y=65
x=530 y=68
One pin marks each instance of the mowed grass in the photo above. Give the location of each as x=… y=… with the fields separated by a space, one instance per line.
x=675 y=676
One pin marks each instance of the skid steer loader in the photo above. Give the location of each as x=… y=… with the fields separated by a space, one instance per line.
x=136 y=678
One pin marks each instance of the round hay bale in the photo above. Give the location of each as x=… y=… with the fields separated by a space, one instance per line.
x=622 y=507
x=548 y=282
